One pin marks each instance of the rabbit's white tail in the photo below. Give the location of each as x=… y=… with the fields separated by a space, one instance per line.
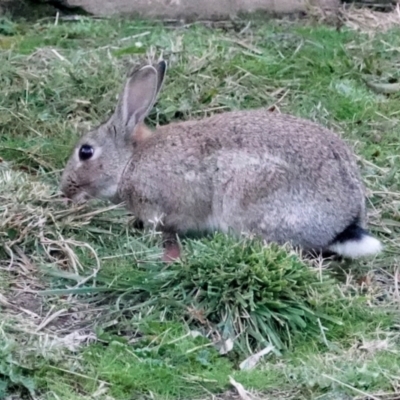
x=355 y=242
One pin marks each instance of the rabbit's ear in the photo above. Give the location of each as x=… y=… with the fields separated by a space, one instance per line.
x=161 y=68
x=139 y=95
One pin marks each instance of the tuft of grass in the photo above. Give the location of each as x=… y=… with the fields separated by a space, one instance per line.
x=251 y=293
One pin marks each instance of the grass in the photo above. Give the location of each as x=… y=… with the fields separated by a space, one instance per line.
x=86 y=308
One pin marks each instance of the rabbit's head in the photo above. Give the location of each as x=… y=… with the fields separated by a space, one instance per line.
x=99 y=158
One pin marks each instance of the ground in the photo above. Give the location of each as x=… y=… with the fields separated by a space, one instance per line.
x=86 y=308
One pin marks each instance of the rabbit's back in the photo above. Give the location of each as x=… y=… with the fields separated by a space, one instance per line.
x=284 y=177
x=295 y=141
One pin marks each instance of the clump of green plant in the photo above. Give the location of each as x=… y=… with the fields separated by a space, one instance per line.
x=249 y=292
x=246 y=289
x=13 y=376
x=7 y=27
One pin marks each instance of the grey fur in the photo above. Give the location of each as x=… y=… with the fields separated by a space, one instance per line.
x=278 y=176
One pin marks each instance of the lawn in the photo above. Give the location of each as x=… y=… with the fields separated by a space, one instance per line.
x=87 y=310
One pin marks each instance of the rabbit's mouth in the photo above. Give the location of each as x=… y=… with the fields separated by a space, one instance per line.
x=80 y=198
x=75 y=192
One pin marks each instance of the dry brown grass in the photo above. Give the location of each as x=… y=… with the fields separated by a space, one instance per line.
x=369 y=21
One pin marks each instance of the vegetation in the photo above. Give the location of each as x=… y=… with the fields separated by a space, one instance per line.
x=87 y=309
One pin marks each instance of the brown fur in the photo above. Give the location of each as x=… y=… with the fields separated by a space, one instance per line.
x=141 y=133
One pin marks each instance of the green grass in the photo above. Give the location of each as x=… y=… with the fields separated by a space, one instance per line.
x=86 y=308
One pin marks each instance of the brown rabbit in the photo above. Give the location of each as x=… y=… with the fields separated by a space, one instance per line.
x=283 y=178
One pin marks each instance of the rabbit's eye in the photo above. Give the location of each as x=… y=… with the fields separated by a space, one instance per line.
x=85 y=152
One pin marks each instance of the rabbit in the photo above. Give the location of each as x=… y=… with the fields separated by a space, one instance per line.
x=276 y=176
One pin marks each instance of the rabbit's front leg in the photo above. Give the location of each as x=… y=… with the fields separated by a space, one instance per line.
x=172 y=250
